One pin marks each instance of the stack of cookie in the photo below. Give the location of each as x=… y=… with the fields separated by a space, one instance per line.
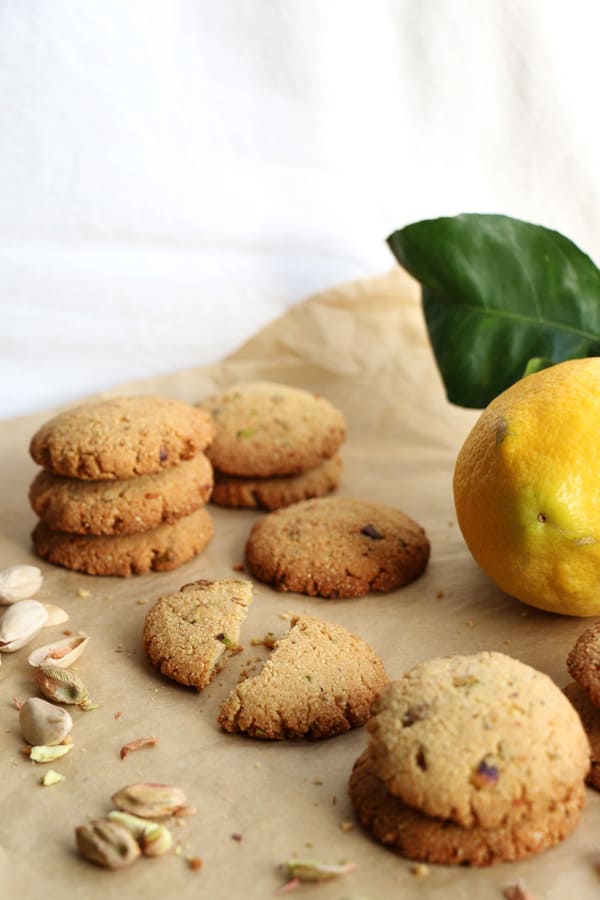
x=124 y=486
x=583 y=663
x=473 y=760
x=274 y=445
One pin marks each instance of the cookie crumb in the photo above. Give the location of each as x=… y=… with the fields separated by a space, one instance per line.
x=267 y=640
x=317 y=781
x=236 y=837
x=517 y=892
x=83 y=593
x=195 y=863
x=346 y=826
x=141 y=602
x=419 y=870
x=439 y=594
x=118 y=714
x=238 y=567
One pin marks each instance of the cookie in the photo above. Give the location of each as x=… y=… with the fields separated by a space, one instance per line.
x=190 y=634
x=121 y=438
x=337 y=547
x=484 y=740
x=590 y=719
x=277 y=492
x=159 y=549
x=420 y=837
x=319 y=681
x=266 y=429
x=124 y=506
x=583 y=662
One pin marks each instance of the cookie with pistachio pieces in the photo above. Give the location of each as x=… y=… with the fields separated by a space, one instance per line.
x=188 y=635
x=319 y=681
x=434 y=840
x=337 y=547
x=483 y=740
x=278 y=491
x=265 y=429
x=159 y=549
x=122 y=506
x=121 y=437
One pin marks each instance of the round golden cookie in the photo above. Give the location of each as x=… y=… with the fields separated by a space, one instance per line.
x=337 y=547
x=121 y=438
x=125 y=506
x=484 y=740
x=159 y=549
x=266 y=429
x=432 y=840
x=319 y=681
x=583 y=662
x=277 y=492
x=590 y=719
x=188 y=635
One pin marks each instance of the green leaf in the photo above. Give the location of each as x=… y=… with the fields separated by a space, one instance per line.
x=536 y=364
x=497 y=293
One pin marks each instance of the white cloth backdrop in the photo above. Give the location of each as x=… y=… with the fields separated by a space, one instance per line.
x=174 y=173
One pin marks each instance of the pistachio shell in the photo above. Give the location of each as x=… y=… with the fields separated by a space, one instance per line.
x=56 y=615
x=60 y=654
x=61 y=685
x=107 y=844
x=20 y=624
x=150 y=801
x=44 y=723
x=19 y=583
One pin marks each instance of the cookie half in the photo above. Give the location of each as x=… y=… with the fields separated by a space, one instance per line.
x=319 y=681
x=121 y=438
x=159 y=549
x=583 y=662
x=590 y=719
x=337 y=547
x=265 y=429
x=421 y=837
x=484 y=740
x=126 y=506
x=275 y=493
x=190 y=634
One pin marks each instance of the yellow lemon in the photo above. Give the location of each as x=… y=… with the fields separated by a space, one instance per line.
x=527 y=489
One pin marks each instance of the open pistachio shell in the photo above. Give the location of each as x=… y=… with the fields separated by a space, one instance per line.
x=61 y=654
x=56 y=615
x=20 y=624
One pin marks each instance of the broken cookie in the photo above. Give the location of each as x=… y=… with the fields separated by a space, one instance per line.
x=319 y=681
x=189 y=635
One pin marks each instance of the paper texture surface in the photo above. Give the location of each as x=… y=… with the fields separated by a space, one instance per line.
x=364 y=346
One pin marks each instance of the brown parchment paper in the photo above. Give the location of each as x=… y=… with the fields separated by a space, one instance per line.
x=364 y=346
